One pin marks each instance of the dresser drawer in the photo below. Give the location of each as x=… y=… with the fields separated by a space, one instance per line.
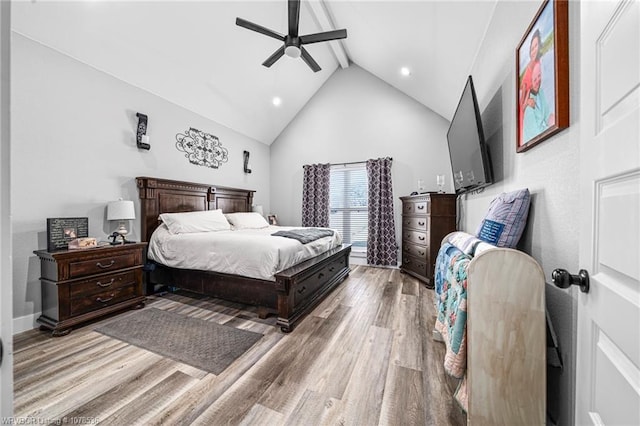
x=417 y=207
x=415 y=237
x=419 y=223
x=408 y=249
x=101 y=265
x=100 y=300
x=414 y=264
x=102 y=283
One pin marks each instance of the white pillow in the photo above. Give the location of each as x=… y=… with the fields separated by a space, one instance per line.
x=247 y=220
x=202 y=221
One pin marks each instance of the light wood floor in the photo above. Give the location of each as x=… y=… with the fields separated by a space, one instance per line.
x=363 y=357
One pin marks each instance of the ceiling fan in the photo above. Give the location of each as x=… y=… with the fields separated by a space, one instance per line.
x=293 y=43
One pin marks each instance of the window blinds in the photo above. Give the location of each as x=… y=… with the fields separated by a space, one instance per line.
x=348 y=201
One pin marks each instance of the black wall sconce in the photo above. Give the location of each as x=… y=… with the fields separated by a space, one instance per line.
x=247 y=166
x=142 y=140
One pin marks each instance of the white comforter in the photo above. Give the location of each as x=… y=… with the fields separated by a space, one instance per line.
x=251 y=253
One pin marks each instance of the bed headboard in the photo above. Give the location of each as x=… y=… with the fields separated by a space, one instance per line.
x=172 y=196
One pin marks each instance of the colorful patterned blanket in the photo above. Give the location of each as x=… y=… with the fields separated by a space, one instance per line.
x=451 y=304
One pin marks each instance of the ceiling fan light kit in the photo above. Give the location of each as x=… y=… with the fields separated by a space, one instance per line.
x=292 y=51
x=292 y=42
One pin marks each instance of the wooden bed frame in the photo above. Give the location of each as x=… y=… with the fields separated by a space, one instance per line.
x=294 y=293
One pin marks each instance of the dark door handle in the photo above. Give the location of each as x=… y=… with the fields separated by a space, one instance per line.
x=563 y=279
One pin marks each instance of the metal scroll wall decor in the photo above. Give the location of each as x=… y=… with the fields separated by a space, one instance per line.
x=202 y=149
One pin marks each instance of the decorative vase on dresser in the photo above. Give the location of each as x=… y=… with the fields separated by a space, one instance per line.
x=81 y=285
x=426 y=219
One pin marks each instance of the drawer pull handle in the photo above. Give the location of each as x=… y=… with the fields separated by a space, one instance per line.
x=100 y=299
x=421 y=253
x=302 y=290
x=420 y=207
x=421 y=223
x=100 y=265
x=421 y=238
x=107 y=284
x=320 y=275
x=331 y=269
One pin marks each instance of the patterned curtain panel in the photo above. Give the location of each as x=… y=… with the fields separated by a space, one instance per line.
x=315 y=195
x=382 y=248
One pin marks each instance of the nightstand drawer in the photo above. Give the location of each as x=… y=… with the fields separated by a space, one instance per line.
x=101 y=284
x=101 y=300
x=419 y=223
x=415 y=237
x=414 y=250
x=101 y=265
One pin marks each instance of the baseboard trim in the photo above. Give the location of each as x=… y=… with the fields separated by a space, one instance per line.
x=25 y=323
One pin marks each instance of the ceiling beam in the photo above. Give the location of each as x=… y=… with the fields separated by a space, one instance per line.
x=320 y=11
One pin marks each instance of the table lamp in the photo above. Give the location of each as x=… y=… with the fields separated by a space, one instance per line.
x=258 y=209
x=121 y=210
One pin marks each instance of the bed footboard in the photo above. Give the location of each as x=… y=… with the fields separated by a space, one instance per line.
x=295 y=292
x=301 y=287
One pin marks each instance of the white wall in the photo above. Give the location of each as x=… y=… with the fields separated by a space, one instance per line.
x=354 y=117
x=550 y=171
x=73 y=151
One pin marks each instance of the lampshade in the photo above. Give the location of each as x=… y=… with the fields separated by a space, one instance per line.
x=121 y=210
x=258 y=209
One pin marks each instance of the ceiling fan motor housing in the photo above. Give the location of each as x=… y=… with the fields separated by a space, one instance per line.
x=292 y=46
x=292 y=42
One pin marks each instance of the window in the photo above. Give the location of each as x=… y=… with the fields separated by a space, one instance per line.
x=348 y=200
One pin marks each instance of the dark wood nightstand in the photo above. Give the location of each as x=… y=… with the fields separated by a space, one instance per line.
x=81 y=285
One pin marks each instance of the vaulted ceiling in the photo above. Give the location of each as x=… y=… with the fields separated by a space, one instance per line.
x=194 y=55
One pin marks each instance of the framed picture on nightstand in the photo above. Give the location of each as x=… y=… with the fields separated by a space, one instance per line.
x=61 y=230
x=273 y=219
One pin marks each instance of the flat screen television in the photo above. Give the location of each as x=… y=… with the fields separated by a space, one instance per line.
x=470 y=162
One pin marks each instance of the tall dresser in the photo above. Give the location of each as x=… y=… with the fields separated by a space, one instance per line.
x=426 y=219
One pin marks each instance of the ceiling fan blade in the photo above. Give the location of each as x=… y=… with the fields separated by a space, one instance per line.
x=325 y=36
x=294 y=17
x=274 y=57
x=309 y=60
x=259 y=29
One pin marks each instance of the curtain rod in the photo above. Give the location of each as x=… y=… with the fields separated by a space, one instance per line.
x=354 y=162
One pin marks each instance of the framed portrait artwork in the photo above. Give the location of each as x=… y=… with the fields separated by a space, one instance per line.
x=273 y=219
x=542 y=76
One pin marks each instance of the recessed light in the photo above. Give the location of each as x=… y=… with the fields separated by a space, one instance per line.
x=276 y=101
x=405 y=71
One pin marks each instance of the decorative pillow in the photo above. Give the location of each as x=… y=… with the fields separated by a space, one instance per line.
x=507 y=216
x=247 y=220
x=202 y=221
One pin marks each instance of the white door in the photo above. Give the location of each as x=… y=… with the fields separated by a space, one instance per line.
x=6 y=302
x=608 y=341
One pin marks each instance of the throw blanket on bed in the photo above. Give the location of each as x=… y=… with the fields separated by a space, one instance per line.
x=305 y=235
x=451 y=303
x=451 y=309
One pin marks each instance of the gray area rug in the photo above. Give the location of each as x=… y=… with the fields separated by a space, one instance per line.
x=202 y=344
